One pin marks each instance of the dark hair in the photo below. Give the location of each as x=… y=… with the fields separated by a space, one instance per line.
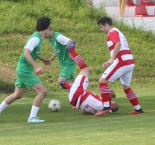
x=105 y=20
x=43 y=23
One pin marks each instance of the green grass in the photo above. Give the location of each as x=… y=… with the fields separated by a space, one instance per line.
x=69 y=127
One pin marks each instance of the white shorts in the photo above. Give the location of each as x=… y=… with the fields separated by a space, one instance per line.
x=119 y=70
x=78 y=88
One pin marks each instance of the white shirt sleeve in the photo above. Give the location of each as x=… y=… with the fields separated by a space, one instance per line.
x=32 y=43
x=63 y=39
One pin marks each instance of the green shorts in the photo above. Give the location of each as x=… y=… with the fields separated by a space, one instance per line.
x=26 y=80
x=67 y=72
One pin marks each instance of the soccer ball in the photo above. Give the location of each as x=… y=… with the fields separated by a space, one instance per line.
x=54 y=105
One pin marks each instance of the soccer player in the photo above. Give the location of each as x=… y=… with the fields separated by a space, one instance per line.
x=79 y=97
x=59 y=43
x=25 y=77
x=120 y=65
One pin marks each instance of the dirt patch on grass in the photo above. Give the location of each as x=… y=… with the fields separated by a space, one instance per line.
x=7 y=73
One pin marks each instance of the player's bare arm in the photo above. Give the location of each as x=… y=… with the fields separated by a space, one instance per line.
x=114 y=55
x=27 y=55
x=52 y=57
x=44 y=60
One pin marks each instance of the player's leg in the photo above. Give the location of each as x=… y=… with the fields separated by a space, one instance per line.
x=34 y=82
x=66 y=76
x=105 y=94
x=85 y=70
x=110 y=75
x=42 y=91
x=78 y=59
x=67 y=83
x=132 y=97
x=11 y=98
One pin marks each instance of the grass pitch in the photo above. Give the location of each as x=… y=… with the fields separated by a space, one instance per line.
x=70 y=127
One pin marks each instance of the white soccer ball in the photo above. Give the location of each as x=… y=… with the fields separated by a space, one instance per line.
x=54 y=105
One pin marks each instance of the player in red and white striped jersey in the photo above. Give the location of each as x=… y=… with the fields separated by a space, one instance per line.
x=79 y=97
x=119 y=66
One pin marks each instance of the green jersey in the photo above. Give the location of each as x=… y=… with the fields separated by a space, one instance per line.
x=34 y=43
x=60 y=51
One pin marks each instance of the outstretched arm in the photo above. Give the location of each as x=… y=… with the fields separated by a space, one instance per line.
x=46 y=61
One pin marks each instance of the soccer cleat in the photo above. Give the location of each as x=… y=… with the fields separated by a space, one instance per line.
x=71 y=46
x=140 y=111
x=35 y=120
x=105 y=111
x=62 y=84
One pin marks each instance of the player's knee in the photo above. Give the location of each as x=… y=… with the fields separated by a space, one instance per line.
x=18 y=96
x=88 y=69
x=44 y=91
x=102 y=80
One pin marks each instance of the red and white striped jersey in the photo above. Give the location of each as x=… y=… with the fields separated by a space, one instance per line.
x=114 y=36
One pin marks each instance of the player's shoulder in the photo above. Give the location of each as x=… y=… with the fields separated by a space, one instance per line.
x=114 y=30
x=57 y=34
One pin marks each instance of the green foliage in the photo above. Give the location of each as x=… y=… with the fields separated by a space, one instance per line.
x=77 y=21
x=58 y=10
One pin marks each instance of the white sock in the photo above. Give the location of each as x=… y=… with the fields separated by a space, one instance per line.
x=3 y=105
x=106 y=104
x=34 y=111
x=137 y=107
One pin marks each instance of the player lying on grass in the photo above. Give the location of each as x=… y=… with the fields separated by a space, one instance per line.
x=79 y=97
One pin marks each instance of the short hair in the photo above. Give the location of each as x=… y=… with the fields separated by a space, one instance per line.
x=43 y=23
x=105 y=20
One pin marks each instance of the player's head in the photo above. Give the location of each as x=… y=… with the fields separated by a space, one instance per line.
x=105 y=23
x=114 y=106
x=43 y=23
x=49 y=33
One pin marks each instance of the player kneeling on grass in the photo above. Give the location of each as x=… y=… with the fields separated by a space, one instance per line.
x=79 y=97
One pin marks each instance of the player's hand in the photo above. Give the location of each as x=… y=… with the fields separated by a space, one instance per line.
x=39 y=70
x=74 y=108
x=107 y=63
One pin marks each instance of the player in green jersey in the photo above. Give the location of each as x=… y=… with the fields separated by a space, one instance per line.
x=59 y=43
x=25 y=77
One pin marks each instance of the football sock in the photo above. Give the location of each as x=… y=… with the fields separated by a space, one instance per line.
x=66 y=85
x=105 y=94
x=34 y=111
x=3 y=105
x=132 y=98
x=78 y=59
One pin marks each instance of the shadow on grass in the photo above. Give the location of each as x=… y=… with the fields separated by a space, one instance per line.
x=6 y=87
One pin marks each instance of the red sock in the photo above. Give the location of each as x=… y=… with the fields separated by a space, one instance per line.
x=73 y=53
x=105 y=92
x=131 y=96
x=67 y=86
x=78 y=59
